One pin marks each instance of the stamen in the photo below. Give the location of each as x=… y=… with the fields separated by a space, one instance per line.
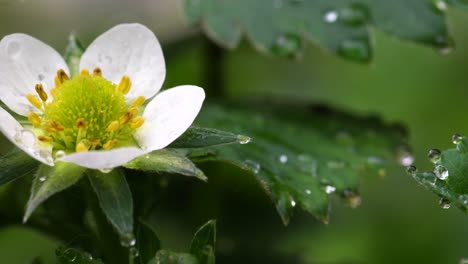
x=40 y=91
x=97 y=72
x=134 y=111
x=34 y=101
x=138 y=101
x=45 y=139
x=34 y=119
x=53 y=92
x=137 y=122
x=62 y=76
x=124 y=85
x=57 y=81
x=82 y=146
x=109 y=144
x=56 y=126
x=84 y=72
x=114 y=125
x=81 y=123
x=126 y=117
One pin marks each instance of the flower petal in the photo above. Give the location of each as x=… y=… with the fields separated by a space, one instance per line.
x=168 y=115
x=128 y=49
x=25 y=62
x=24 y=138
x=103 y=159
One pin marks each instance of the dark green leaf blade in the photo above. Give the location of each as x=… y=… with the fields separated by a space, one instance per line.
x=49 y=181
x=168 y=257
x=73 y=54
x=167 y=160
x=148 y=242
x=116 y=202
x=203 y=243
x=199 y=137
x=16 y=164
x=74 y=256
x=280 y=27
x=301 y=155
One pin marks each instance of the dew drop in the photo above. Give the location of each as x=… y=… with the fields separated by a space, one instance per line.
x=330 y=189
x=354 y=15
x=128 y=240
x=43 y=178
x=456 y=139
x=440 y=5
x=13 y=49
x=106 y=170
x=283 y=159
x=441 y=172
x=252 y=166
x=134 y=252
x=243 y=139
x=70 y=255
x=355 y=49
x=60 y=154
x=308 y=191
x=434 y=155
x=411 y=170
x=444 y=203
x=463 y=199
x=330 y=16
x=429 y=177
x=293 y=203
x=287 y=45
x=28 y=139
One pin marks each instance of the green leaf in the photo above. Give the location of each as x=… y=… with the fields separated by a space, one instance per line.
x=282 y=26
x=16 y=164
x=449 y=177
x=73 y=54
x=300 y=155
x=148 y=242
x=203 y=243
x=74 y=256
x=49 y=181
x=169 y=257
x=167 y=160
x=116 y=202
x=199 y=137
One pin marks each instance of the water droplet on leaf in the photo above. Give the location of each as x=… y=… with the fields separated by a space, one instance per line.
x=456 y=139
x=308 y=191
x=330 y=16
x=355 y=15
x=293 y=203
x=43 y=178
x=252 y=166
x=444 y=203
x=287 y=45
x=463 y=199
x=434 y=155
x=355 y=49
x=411 y=169
x=441 y=172
x=243 y=139
x=128 y=240
x=283 y=158
x=439 y=5
x=107 y=170
x=330 y=189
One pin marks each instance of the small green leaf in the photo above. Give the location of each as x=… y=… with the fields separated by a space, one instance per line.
x=449 y=177
x=148 y=242
x=301 y=155
x=74 y=256
x=49 y=181
x=167 y=160
x=73 y=54
x=281 y=27
x=168 y=257
x=116 y=202
x=203 y=243
x=199 y=137
x=16 y=164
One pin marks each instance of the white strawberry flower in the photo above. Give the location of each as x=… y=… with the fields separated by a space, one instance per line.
x=96 y=119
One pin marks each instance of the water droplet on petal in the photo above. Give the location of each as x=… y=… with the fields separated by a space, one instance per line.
x=441 y=172
x=330 y=189
x=283 y=159
x=434 y=155
x=355 y=49
x=444 y=203
x=128 y=240
x=243 y=139
x=60 y=154
x=13 y=49
x=411 y=169
x=330 y=16
x=456 y=139
x=28 y=139
x=106 y=170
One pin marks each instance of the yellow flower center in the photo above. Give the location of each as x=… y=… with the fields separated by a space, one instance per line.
x=87 y=112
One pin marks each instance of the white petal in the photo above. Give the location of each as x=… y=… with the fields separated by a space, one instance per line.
x=24 y=138
x=168 y=115
x=128 y=49
x=104 y=159
x=25 y=62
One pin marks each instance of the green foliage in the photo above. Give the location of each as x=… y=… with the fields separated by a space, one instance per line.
x=147 y=242
x=169 y=257
x=116 y=202
x=73 y=54
x=49 y=181
x=16 y=164
x=203 y=243
x=301 y=155
x=281 y=27
x=449 y=178
x=198 y=137
x=74 y=256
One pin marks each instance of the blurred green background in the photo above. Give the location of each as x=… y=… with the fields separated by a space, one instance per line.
x=398 y=221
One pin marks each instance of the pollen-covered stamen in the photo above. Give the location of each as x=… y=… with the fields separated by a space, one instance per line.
x=124 y=85
x=126 y=118
x=62 y=76
x=83 y=145
x=138 y=102
x=97 y=72
x=45 y=138
x=40 y=91
x=109 y=144
x=84 y=72
x=34 y=101
x=137 y=122
x=34 y=119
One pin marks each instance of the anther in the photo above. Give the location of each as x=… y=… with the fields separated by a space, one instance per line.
x=134 y=111
x=84 y=72
x=97 y=72
x=34 y=101
x=57 y=81
x=126 y=117
x=137 y=122
x=53 y=92
x=82 y=146
x=124 y=85
x=45 y=138
x=81 y=123
x=138 y=101
x=62 y=76
x=40 y=91
x=56 y=126
x=109 y=144
x=34 y=119
x=114 y=125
